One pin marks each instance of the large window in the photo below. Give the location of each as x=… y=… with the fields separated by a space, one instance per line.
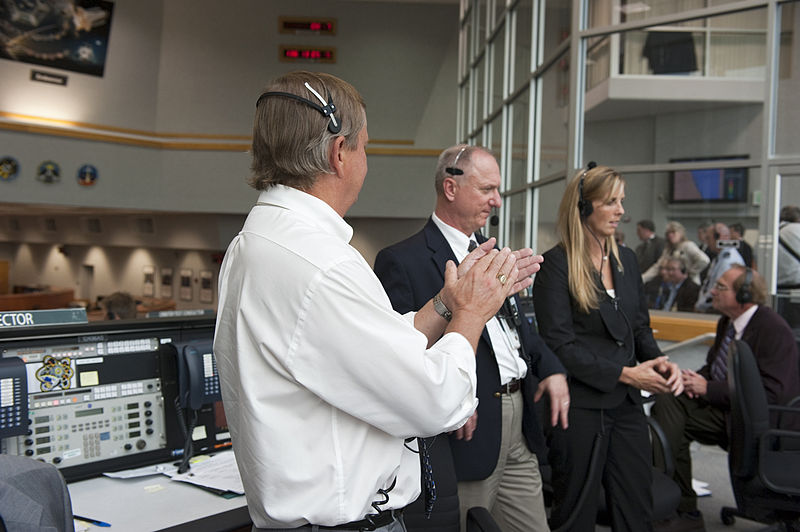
x=694 y=101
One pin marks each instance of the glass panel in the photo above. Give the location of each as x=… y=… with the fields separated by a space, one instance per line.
x=601 y=14
x=547 y=213
x=516 y=220
x=598 y=61
x=522 y=43
x=499 y=7
x=496 y=138
x=520 y=110
x=477 y=78
x=661 y=119
x=498 y=51
x=480 y=17
x=671 y=52
x=463 y=112
x=787 y=140
x=554 y=87
x=557 y=20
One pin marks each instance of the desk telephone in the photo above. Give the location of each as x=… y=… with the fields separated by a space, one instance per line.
x=13 y=397
x=198 y=379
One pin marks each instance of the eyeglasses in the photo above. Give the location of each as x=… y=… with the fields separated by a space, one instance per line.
x=719 y=287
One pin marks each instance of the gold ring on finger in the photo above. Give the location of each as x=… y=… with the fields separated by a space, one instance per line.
x=502 y=278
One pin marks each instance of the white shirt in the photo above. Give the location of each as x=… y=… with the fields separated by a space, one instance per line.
x=740 y=323
x=789 y=266
x=504 y=338
x=321 y=380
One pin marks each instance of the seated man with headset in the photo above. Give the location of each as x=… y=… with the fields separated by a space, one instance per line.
x=700 y=413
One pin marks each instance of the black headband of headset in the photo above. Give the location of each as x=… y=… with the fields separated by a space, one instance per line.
x=327 y=110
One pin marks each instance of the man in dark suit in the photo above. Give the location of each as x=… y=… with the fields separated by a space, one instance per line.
x=701 y=412
x=683 y=292
x=494 y=453
x=652 y=246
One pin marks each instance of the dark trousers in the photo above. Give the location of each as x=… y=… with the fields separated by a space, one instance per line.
x=624 y=468
x=685 y=420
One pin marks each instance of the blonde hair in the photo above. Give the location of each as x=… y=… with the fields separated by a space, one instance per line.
x=599 y=183
x=291 y=140
x=675 y=227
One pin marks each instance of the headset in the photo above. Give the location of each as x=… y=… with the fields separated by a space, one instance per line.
x=453 y=169
x=585 y=208
x=327 y=108
x=745 y=293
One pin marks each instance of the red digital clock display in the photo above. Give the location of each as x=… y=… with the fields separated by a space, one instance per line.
x=297 y=53
x=306 y=25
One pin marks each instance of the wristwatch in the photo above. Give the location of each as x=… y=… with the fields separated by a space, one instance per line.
x=440 y=308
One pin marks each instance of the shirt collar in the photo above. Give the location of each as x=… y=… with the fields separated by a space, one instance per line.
x=311 y=208
x=459 y=242
x=741 y=322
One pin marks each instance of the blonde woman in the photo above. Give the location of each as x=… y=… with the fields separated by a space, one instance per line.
x=680 y=247
x=592 y=313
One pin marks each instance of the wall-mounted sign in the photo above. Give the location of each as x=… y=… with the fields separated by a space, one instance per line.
x=48 y=172
x=46 y=77
x=9 y=169
x=300 y=25
x=206 y=286
x=307 y=54
x=87 y=175
x=166 y=283
x=149 y=273
x=186 y=285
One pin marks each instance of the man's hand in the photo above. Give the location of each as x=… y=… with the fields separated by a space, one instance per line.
x=556 y=386
x=527 y=264
x=694 y=384
x=646 y=376
x=672 y=372
x=465 y=432
x=483 y=288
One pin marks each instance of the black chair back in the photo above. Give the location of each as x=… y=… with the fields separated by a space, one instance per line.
x=749 y=412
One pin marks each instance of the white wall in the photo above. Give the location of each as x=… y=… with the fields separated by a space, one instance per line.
x=196 y=67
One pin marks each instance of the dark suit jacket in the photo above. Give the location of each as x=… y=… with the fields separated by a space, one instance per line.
x=412 y=272
x=686 y=297
x=594 y=347
x=775 y=351
x=648 y=252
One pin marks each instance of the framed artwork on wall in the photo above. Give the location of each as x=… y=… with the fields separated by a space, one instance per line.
x=66 y=35
x=206 y=286
x=166 y=283
x=186 y=285
x=149 y=288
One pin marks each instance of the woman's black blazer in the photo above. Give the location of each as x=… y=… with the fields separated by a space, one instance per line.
x=594 y=347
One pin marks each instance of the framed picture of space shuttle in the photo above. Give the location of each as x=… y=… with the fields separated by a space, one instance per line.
x=64 y=34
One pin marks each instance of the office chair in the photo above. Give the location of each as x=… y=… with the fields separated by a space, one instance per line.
x=763 y=461
x=33 y=496
x=446 y=515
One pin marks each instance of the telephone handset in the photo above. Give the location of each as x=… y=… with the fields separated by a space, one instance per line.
x=198 y=381
x=13 y=397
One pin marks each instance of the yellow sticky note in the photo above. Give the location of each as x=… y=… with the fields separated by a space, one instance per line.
x=89 y=378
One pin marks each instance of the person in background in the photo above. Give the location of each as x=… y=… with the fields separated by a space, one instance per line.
x=789 y=265
x=725 y=257
x=592 y=313
x=705 y=233
x=745 y=249
x=700 y=414
x=619 y=236
x=678 y=246
x=652 y=246
x=325 y=386
x=683 y=291
x=119 y=306
x=494 y=456
x=656 y=290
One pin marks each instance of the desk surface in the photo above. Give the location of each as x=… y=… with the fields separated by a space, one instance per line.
x=155 y=503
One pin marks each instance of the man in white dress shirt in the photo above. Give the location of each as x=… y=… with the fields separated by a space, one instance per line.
x=325 y=387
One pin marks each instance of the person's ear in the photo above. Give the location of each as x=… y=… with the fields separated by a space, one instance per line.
x=337 y=155
x=450 y=186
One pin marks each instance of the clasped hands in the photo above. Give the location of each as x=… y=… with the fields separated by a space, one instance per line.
x=658 y=375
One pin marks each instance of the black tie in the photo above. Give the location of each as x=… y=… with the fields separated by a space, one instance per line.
x=719 y=368
x=472 y=245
